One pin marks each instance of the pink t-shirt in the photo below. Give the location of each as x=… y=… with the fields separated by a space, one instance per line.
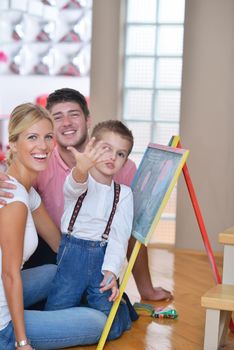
x=50 y=182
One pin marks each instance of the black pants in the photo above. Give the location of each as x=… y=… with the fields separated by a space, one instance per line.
x=43 y=255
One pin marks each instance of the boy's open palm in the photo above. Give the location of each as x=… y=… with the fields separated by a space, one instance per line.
x=94 y=153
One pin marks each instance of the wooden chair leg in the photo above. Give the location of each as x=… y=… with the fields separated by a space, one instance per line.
x=225 y=318
x=217 y=322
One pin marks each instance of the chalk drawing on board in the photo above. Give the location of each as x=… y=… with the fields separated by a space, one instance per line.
x=154 y=181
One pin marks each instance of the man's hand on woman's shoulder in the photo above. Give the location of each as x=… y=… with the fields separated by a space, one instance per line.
x=4 y=186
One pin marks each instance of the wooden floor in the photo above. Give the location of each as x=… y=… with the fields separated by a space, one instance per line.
x=188 y=275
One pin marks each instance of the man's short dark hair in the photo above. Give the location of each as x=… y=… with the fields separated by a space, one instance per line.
x=67 y=95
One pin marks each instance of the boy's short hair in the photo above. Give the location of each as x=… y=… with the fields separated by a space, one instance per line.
x=67 y=95
x=116 y=127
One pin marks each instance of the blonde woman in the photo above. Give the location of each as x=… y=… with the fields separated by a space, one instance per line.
x=31 y=142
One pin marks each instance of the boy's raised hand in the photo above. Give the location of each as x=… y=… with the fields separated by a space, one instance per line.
x=94 y=153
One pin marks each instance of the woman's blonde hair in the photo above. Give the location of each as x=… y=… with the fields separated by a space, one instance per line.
x=22 y=118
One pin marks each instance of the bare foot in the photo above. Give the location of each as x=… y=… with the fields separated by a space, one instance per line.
x=157 y=294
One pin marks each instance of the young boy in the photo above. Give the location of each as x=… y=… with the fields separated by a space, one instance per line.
x=97 y=224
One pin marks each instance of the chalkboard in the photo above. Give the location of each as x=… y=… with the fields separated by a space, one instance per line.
x=152 y=185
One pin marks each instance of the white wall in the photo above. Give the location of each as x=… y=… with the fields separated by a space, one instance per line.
x=207 y=122
x=106 y=59
x=15 y=89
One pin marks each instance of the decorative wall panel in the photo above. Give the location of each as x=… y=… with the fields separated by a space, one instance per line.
x=45 y=37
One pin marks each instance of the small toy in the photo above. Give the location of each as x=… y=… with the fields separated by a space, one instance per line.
x=159 y=312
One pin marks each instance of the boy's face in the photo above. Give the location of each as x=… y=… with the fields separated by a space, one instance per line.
x=70 y=124
x=117 y=150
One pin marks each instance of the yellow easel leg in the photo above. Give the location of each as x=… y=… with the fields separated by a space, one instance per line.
x=117 y=301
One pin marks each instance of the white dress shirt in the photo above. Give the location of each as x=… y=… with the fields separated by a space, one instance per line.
x=94 y=214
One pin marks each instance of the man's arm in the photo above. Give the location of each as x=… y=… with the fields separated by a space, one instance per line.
x=126 y=174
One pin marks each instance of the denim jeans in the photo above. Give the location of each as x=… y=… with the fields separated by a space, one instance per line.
x=53 y=329
x=79 y=274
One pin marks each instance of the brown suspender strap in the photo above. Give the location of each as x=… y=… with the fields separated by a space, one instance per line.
x=76 y=211
x=115 y=202
x=79 y=204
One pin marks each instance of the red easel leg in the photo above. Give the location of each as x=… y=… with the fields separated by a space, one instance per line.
x=200 y=222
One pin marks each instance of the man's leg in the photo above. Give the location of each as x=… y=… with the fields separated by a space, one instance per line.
x=142 y=276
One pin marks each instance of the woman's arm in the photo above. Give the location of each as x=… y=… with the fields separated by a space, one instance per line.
x=46 y=228
x=12 y=222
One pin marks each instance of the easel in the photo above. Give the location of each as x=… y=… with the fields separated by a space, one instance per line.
x=136 y=251
x=175 y=142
